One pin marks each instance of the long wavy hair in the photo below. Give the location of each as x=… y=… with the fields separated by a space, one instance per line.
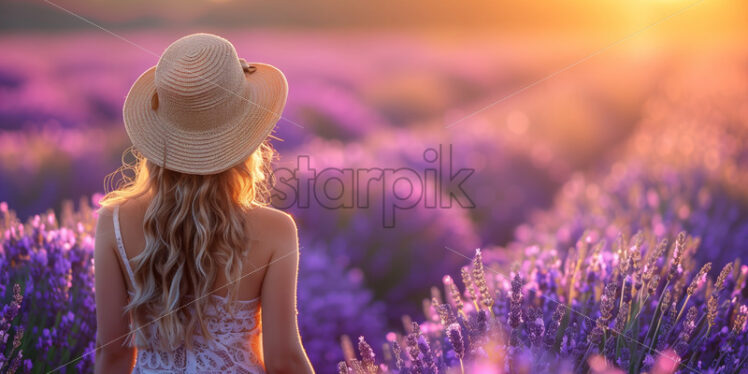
x=193 y=228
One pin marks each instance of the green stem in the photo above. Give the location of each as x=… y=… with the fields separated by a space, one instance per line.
x=583 y=360
x=696 y=355
x=657 y=310
x=620 y=305
x=682 y=308
x=654 y=335
x=641 y=306
x=463 y=314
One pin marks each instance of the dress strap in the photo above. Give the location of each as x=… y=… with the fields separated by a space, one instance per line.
x=121 y=247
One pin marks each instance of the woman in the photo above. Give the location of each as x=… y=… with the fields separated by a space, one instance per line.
x=194 y=273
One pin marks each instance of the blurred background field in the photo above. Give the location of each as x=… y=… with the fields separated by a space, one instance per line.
x=540 y=99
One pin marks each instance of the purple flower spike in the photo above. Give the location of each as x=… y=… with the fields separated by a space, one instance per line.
x=454 y=332
x=367 y=356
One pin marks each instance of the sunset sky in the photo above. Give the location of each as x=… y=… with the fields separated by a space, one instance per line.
x=691 y=21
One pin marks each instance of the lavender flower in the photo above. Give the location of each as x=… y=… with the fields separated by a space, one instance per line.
x=722 y=278
x=429 y=365
x=42 y=255
x=467 y=281
x=689 y=325
x=711 y=311
x=367 y=356
x=738 y=325
x=534 y=326
x=453 y=292
x=479 y=276
x=698 y=280
x=634 y=328
x=515 y=316
x=454 y=332
x=343 y=368
x=552 y=331
x=680 y=244
x=396 y=352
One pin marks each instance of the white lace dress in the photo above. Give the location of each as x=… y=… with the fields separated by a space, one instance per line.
x=238 y=340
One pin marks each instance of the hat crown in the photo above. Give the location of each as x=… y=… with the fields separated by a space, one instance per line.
x=199 y=79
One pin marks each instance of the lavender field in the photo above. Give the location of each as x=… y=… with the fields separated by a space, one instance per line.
x=608 y=280
x=610 y=205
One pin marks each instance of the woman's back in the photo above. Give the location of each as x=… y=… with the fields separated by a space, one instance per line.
x=259 y=228
x=237 y=342
x=237 y=339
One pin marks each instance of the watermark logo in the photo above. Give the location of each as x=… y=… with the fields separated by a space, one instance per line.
x=438 y=185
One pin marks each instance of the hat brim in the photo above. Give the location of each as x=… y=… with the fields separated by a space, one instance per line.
x=209 y=151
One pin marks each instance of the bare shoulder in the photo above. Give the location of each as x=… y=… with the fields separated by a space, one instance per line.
x=272 y=226
x=105 y=211
x=104 y=236
x=105 y=223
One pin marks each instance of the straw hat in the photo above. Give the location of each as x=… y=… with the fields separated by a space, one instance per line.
x=202 y=109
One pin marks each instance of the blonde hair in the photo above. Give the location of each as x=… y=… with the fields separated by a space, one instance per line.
x=193 y=226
